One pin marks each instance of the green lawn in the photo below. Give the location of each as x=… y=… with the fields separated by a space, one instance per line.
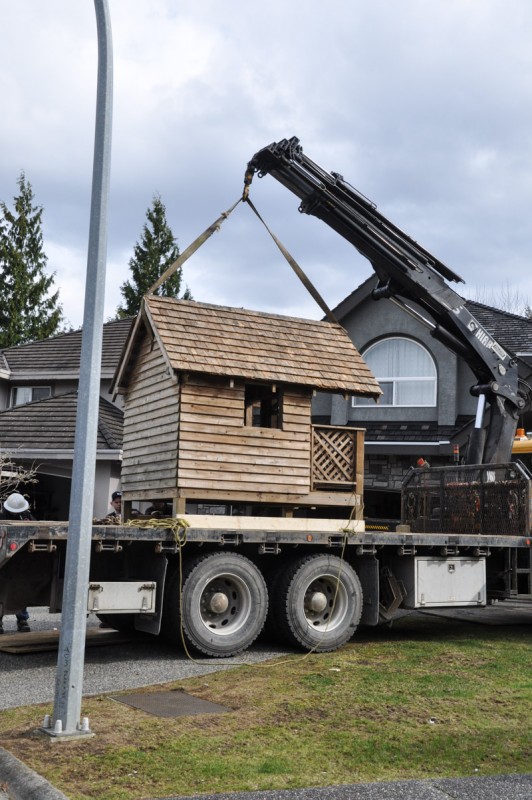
x=425 y=698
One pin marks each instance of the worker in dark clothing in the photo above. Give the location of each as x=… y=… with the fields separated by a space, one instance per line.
x=159 y=509
x=17 y=507
x=116 y=502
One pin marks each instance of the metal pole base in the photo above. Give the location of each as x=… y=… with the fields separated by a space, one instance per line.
x=56 y=731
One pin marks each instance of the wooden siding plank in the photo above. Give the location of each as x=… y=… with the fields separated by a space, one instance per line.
x=193 y=393
x=152 y=392
x=347 y=501
x=298 y=485
x=234 y=471
x=199 y=459
x=141 y=433
x=208 y=406
x=228 y=443
x=210 y=419
x=157 y=408
x=303 y=434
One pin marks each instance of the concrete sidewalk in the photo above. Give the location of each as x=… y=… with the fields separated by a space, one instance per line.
x=19 y=782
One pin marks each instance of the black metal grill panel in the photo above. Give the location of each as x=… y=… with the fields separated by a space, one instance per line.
x=491 y=499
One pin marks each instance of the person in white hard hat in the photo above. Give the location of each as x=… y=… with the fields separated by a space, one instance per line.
x=17 y=507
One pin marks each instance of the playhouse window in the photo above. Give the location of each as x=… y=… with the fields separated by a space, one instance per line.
x=263 y=406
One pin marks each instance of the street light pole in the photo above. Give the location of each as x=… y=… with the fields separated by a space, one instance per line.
x=69 y=677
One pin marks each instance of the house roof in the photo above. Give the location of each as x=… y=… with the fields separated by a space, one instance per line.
x=235 y=342
x=49 y=358
x=413 y=432
x=50 y=424
x=512 y=331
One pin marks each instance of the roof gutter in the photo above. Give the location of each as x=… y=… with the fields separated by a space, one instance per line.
x=25 y=454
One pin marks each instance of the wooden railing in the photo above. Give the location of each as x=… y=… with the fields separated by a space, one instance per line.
x=337 y=458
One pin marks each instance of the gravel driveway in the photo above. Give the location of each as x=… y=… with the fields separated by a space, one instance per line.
x=30 y=678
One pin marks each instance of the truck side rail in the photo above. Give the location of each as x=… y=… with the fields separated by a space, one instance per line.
x=268 y=535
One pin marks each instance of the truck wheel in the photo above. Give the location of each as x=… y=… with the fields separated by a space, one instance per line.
x=317 y=603
x=223 y=607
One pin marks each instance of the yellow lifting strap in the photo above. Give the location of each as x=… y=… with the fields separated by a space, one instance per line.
x=297 y=269
x=191 y=249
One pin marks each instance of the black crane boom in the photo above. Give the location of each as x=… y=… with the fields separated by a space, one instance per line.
x=405 y=272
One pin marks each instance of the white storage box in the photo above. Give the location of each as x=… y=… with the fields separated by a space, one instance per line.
x=122 y=597
x=434 y=582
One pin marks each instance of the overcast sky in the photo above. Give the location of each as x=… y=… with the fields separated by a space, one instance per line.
x=425 y=106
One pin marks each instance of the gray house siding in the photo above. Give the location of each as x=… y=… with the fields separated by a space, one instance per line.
x=373 y=321
x=41 y=432
x=397 y=436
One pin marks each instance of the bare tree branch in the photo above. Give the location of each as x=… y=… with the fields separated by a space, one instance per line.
x=13 y=476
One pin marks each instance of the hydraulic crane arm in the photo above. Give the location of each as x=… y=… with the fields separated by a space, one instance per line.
x=405 y=272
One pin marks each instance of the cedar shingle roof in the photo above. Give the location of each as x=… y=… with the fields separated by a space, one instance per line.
x=50 y=424
x=62 y=353
x=235 y=342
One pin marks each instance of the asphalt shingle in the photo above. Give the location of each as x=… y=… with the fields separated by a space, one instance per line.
x=50 y=424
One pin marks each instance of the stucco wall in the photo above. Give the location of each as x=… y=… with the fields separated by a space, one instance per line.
x=371 y=321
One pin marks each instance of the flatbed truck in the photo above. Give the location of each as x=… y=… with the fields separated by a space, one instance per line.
x=214 y=582
x=320 y=579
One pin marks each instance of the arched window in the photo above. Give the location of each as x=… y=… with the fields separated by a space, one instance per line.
x=406 y=373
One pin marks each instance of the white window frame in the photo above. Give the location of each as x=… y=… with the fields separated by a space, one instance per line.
x=358 y=402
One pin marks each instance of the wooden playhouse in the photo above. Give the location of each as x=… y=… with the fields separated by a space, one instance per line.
x=217 y=413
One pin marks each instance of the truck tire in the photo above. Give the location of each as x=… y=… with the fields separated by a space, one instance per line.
x=316 y=603
x=223 y=604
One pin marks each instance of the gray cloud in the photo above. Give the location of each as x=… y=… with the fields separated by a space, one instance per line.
x=424 y=107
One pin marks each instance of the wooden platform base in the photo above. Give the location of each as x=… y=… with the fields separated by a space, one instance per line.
x=43 y=641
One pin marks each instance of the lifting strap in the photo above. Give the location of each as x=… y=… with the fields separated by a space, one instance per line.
x=191 y=249
x=297 y=269
x=202 y=238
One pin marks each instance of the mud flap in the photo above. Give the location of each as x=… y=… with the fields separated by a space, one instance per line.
x=367 y=569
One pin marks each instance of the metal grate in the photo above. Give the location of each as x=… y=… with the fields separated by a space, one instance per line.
x=170 y=704
x=484 y=499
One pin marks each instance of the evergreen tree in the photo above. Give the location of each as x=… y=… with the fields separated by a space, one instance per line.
x=27 y=310
x=152 y=256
